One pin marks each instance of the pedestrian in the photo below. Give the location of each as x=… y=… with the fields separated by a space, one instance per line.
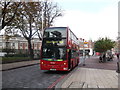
x=104 y=57
x=117 y=56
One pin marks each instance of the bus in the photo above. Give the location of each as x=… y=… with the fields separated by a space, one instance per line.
x=59 y=50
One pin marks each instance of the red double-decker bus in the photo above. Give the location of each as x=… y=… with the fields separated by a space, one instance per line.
x=60 y=49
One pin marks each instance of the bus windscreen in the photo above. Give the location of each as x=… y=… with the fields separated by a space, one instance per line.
x=54 y=54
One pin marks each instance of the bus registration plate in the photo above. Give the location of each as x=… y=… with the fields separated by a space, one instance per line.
x=53 y=69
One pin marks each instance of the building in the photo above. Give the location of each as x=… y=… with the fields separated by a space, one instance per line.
x=18 y=43
x=86 y=45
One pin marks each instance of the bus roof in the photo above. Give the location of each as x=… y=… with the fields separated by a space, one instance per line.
x=55 y=27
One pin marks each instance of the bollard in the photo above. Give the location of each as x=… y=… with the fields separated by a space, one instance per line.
x=118 y=67
x=84 y=60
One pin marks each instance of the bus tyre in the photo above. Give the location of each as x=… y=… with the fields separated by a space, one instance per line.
x=77 y=63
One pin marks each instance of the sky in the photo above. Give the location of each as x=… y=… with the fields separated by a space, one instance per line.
x=90 y=19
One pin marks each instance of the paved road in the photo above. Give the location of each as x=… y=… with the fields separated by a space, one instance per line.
x=29 y=77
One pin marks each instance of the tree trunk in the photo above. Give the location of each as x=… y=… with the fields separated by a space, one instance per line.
x=31 y=54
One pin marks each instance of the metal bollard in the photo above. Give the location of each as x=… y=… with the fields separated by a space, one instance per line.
x=83 y=60
x=118 y=67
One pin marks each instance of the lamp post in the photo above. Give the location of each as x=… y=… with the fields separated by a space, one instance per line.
x=42 y=20
x=118 y=63
x=83 y=54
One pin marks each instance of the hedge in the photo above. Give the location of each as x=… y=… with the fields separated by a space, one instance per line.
x=14 y=59
x=16 y=55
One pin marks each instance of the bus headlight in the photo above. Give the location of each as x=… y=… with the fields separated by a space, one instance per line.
x=65 y=68
x=41 y=62
x=64 y=63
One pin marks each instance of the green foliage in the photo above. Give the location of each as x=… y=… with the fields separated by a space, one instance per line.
x=9 y=10
x=14 y=59
x=8 y=50
x=103 y=44
x=16 y=55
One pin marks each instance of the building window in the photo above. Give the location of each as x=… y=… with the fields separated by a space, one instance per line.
x=13 y=44
x=21 y=44
x=26 y=44
x=35 y=45
x=1 y=43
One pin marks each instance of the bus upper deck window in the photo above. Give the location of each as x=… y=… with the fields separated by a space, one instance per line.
x=46 y=34
x=56 y=34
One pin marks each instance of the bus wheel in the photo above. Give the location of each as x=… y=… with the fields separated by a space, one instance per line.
x=77 y=63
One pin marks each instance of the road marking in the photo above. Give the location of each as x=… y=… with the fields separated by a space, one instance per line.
x=51 y=86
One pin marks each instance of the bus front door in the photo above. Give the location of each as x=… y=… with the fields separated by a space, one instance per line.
x=69 y=59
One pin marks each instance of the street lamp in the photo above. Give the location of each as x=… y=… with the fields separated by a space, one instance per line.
x=118 y=63
x=83 y=54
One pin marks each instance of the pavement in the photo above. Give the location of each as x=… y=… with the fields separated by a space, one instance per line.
x=90 y=78
x=16 y=65
x=92 y=75
x=93 y=62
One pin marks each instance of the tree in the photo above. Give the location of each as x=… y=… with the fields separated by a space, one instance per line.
x=25 y=21
x=103 y=44
x=49 y=11
x=9 y=10
x=28 y=19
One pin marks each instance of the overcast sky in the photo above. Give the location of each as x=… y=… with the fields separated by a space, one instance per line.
x=90 y=19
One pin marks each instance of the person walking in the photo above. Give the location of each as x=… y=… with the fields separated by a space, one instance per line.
x=104 y=57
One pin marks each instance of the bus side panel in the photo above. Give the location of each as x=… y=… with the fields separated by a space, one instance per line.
x=74 y=62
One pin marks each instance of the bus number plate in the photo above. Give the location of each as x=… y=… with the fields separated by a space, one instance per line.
x=53 y=69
